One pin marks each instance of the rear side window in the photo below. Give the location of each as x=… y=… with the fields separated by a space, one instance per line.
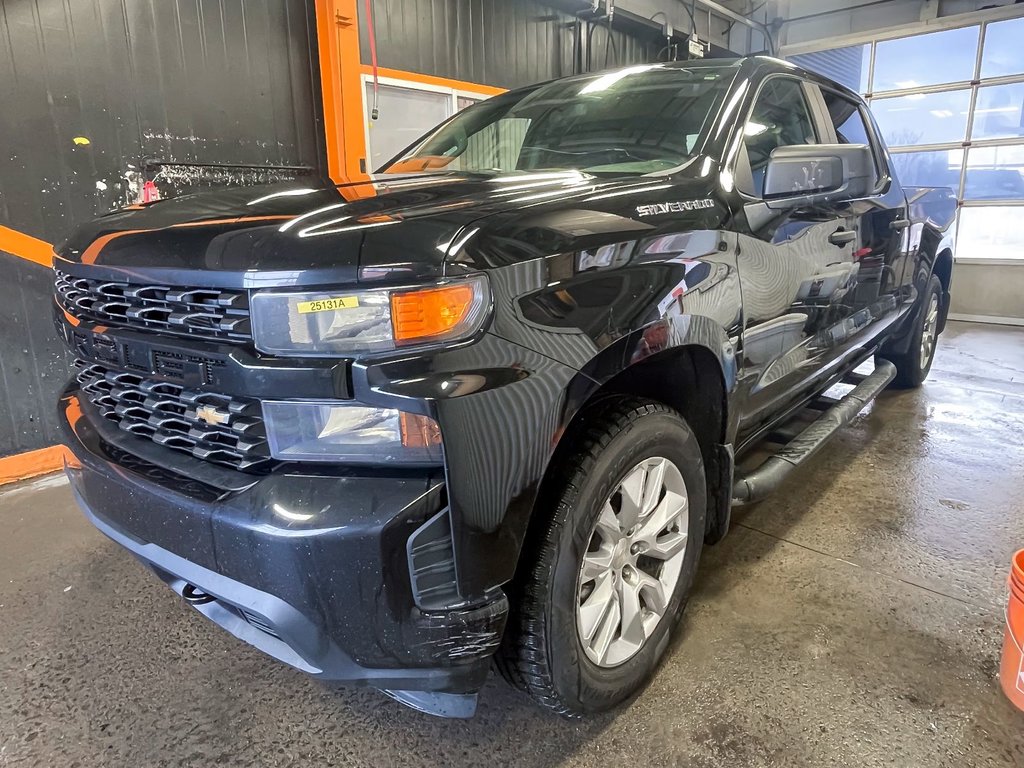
x=849 y=121
x=780 y=118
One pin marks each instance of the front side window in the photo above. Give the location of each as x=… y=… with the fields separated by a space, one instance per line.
x=634 y=121
x=849 y=122
x=780 y=118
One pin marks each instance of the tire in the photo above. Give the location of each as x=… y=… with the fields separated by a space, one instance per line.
x=543 y=651
x=912 y=367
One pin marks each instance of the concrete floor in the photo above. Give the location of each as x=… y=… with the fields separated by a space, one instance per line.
x=853 y=620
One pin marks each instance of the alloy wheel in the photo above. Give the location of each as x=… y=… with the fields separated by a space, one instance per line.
x=633 y=562
x=929 y=333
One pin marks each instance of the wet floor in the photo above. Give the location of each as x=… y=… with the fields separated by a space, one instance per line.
x=854 y=619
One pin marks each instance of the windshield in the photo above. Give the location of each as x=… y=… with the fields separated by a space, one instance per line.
x=633 y=121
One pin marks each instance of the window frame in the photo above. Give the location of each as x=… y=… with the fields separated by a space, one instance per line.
x=883 y=169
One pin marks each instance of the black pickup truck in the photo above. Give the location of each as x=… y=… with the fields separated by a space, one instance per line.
x=491 y=403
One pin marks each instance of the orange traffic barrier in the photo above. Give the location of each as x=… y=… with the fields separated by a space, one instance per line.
x=1011 y=669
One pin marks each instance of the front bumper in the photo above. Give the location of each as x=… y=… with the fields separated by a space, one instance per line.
x=312 y=569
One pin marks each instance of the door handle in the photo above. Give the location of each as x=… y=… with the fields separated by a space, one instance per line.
x=900 y=224
x=842 y=237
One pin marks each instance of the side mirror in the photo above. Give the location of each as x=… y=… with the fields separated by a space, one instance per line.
x=806 y=174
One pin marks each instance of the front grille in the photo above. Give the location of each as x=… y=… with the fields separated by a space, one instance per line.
x=162 y=476
x=209 y=313
x=213 y=427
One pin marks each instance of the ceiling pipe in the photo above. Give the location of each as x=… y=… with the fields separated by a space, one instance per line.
x=721 y=10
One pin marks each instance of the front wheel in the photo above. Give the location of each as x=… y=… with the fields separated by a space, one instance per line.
x=611 y=566
x=912 y=366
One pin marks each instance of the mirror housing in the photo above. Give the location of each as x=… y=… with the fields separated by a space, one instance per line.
x=809 y=174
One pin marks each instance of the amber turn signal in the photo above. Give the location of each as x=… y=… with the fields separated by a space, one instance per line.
x=419 y=431
x=430 y=312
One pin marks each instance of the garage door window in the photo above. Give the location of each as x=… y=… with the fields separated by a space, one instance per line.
x=1002 y=54
x=998 y=113
x=919 y=118
x=914 y=62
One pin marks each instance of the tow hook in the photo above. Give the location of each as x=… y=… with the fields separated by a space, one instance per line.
x=195 y=596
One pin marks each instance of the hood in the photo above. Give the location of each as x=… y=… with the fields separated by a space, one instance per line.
x=392 y=229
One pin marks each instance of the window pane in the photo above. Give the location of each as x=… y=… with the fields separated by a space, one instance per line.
x=923 y=118
x=1003 y=54
x=496 y=147
x=405 y=115
x=990 y=233
x=848 y=120
x=997 y=114
x=848 y=66
x=631 y=121
x=994 y=173
x=939 y=57
x=929 y=169
x=780 y=118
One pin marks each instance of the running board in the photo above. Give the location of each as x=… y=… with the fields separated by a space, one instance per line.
x=760 y=482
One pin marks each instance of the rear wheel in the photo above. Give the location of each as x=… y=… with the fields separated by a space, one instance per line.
x=612 y=566
x=912 y=367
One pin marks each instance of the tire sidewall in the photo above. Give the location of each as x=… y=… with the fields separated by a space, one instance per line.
x=580 y=682
x=934 y=289
x=916 y=375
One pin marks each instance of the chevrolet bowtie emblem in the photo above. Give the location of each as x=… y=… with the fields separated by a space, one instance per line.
x=211 y=415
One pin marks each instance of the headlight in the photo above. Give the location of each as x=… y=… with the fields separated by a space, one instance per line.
x=339 y=432
x=325 y=323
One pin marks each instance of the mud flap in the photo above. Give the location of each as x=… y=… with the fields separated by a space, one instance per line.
x=720 y=495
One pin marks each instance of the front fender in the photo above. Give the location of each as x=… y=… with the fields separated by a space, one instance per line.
x=572 y=327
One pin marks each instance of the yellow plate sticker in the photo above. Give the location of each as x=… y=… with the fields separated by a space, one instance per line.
x=328 y=305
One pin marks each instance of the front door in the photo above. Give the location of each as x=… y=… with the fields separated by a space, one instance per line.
x=796 y=267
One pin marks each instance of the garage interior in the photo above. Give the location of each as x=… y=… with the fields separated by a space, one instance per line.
x=854 y=618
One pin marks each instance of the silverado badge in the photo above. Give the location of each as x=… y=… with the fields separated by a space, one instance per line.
x=676 y=206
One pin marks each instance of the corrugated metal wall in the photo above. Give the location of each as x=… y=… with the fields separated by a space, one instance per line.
x=506 y=43
x=92 y=89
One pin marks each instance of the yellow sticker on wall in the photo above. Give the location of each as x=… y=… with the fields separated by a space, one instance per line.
x=327 y=305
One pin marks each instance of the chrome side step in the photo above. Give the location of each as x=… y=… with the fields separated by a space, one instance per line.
x=762 y=481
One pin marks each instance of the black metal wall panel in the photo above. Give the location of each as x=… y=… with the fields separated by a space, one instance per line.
x=194 y=82
x=33 y=364
x=97 y=96
x=506 y=43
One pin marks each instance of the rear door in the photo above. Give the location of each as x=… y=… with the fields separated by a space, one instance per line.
x=883 y=254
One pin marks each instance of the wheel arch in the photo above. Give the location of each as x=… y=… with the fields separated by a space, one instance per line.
x=692 y=379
